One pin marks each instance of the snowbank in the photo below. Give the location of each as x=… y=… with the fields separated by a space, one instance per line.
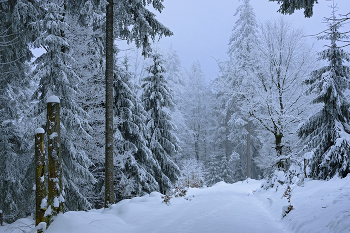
x=319 y=206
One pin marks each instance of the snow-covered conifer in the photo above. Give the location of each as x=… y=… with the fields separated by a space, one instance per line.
x=54 y=70
x=226 y=172
x=213 y=172
x=87 y=46
x=15 y=90
x=176 y=79
x=327 y=132
x=243 y=36
x=289 y=6
x=134 y=158
x=234 y=89
x=157 y=101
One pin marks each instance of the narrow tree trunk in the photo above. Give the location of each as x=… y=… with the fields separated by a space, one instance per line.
x=109 y=190
x=55 y=187
x=248 y=151
x=40 y=177
x=196 y=146
x=205 y=147
x=1 y=218
x=227 y=133
x=279 y=146
x=196 y=143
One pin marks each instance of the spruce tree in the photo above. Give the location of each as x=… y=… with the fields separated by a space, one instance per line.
x=226 y=172
x=54 y=70
x=214 y=171
x=289 y=6
x=176 y=79
x=87 y=45
x=15 y=90
x=134 y=158
x=157 y=100
x=236 y=90
x=327 y=132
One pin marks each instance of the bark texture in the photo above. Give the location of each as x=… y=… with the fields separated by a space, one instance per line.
x=248 y=151
x=109 y=189
x=40 y=178
x=55 y=188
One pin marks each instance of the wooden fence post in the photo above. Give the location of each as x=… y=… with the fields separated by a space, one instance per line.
x=55 y=188
x=40 y=177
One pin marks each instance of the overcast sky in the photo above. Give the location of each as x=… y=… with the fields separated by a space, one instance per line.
x=202 y=28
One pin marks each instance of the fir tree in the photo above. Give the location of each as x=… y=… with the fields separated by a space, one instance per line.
x=16 y=34
x=135 y=160
x=327 y=131
x=235 y=88
x=214 y=171
x=226 y=172
x=54 y=70
x=176 y=79
x=243 y=36
x=87 y=45
x=157 y=100
x=289 y=6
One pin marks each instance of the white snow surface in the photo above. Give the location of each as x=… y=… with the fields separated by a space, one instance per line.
x=53 y=99
x=319 y=206
x=39 y=130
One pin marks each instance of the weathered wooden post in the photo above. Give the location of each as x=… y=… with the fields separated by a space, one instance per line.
x=40 y=177
x=55 y=187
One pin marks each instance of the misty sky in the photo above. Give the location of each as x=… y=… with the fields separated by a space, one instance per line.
x=202 y=28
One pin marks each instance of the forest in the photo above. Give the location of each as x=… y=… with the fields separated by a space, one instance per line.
x=138 y=122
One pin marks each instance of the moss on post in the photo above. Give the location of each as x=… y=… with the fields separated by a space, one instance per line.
x=40 y=177
x=55 y=187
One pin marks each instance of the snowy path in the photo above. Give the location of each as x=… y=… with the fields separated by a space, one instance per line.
x=216 y=210
x=222 y=208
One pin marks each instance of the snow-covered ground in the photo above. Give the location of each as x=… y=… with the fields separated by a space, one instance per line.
x=319 y=206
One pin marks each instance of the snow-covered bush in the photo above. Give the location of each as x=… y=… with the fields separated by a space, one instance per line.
x=294 y=175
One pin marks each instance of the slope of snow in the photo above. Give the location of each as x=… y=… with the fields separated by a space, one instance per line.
x=319 y=206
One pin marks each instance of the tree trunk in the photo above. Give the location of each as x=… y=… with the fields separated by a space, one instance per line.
x=1 y=218
x=248 y=150
x=196 y=146
x=55 y=188
x=278 y=141
x=109 y=189
x=40 y=177
x=227 y=134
